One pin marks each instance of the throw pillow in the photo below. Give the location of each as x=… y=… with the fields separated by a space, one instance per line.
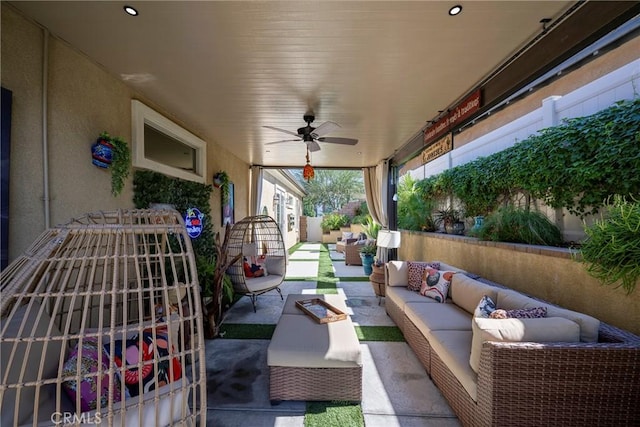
x=521 y=313
x=435 y=284
x=485 y=307
x=94 y=368
x=145 y=348
x=416 y=271
x=347 y=235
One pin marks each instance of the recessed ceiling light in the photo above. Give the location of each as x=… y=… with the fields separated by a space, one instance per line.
x=455 y=10
x=131 y=10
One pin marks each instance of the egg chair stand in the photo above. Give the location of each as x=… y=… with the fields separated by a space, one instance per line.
x=101 y=323
x=259 y=240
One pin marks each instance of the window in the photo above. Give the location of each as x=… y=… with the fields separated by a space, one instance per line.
x=163 y=146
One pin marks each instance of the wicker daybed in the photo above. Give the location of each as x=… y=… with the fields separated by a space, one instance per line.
x=101 y=324
x=259 y=240
x=590 y=379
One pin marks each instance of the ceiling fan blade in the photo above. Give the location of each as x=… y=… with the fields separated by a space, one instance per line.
x=343 y=141
x=281 y=130
x=313 y=146
x=284 y=140
x=325 y=128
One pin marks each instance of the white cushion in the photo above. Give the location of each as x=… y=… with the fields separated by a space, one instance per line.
x=347 y=235
x=299 y=341
x=544 y=329
x=589 y=326
x=453 y=348
x=435 y=317
x=467 y=292
x=398 y=273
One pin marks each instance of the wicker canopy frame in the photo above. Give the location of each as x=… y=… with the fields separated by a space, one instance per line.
x=257 y=236
x=105 y=281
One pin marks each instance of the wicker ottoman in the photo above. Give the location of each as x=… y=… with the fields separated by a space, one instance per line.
x=312 y=361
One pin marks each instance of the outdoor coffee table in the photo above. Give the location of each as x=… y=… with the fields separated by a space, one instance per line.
x=309 y=360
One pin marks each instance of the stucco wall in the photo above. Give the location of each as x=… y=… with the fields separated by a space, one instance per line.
x=548 y=273
x=83 y=100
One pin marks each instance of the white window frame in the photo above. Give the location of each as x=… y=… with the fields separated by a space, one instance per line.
x=142 y=115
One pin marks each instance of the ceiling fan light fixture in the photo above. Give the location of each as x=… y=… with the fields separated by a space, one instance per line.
x=455 y=10
x=307 y=172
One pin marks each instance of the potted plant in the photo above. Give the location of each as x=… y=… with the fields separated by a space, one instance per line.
x=367 y=254
x=221 y=181
x=113 y=152
x=451 y=219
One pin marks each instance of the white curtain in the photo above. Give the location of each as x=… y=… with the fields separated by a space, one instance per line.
x=256 y=189
x=376 y=188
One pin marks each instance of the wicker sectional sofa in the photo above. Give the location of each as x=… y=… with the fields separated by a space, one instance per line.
x=565 y=369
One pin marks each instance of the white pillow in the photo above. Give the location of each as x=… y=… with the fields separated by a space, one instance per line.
x=543 y=329
x=347 y=235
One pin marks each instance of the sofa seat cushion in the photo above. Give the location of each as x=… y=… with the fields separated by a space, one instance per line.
x=467 y=292
x=258 y=284
x=589 y=326
x=436 y=317
x=454 y=349
x=401 y=296
x=544 y=329
x=299 y=341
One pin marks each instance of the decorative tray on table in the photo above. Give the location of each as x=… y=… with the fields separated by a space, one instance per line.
x=320 y=310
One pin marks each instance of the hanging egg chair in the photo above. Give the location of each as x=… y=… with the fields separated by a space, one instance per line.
x=101 y=324
x=263 y=264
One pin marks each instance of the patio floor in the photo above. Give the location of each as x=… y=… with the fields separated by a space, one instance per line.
x=396 y=389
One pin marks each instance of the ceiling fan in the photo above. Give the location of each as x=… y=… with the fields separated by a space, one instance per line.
x=311 y=136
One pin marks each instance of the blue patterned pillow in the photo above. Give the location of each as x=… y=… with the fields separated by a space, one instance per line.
x=485 y=307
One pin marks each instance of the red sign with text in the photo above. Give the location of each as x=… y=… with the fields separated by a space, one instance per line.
x=462 y=111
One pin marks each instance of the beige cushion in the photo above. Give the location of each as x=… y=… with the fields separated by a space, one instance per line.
x=298 y=341
x=257 y=284
x=453 y=348
x=467 y=292
x=338 y=301
x=545 y=329
x=401 y=296
x=435 y=317
x=398 y=273
x=589 y=326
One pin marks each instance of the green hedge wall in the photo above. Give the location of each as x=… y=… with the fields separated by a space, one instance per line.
x=576 y=165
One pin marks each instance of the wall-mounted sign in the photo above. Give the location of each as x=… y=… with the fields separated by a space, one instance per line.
x=194 y=221
x=461 y=112
x=437 y=149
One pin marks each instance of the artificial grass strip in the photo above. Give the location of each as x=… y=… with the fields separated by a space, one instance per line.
x=333 y=414
x=379 y=333
x=295 y=247
x=354 y=279
x=242 y=331
x=327 y=280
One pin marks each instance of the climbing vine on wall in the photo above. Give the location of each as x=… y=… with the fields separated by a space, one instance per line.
x=576 y=165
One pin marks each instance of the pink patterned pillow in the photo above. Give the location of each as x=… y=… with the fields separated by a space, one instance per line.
x=522 y=313
x=416 y=271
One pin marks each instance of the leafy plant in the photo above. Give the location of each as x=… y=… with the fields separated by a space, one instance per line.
x=414 y=210
x=612 y=248
x=371 y=228
x=334 y=221
x=120 y=162
x=221 y=180
x=368 y=250
x=510 y=224
x=447 y=216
